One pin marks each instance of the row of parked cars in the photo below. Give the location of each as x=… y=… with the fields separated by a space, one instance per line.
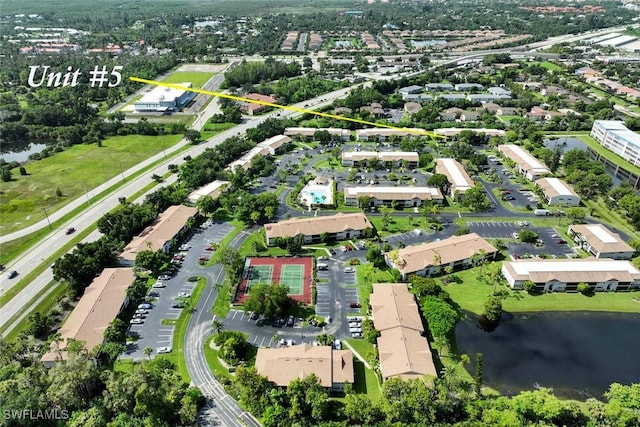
x=355 y=327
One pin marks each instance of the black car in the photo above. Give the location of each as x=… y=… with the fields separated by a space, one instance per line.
x=177 y=305
x=290 y=321
x=12 y=274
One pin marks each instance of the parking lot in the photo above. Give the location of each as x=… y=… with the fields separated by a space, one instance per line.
x=412 y=237
x=495 y=229
x=152 y=332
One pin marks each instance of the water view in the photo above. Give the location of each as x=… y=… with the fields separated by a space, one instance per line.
x=20 y=152
x=576 y=354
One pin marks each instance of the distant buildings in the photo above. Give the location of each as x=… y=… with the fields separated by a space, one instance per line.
x=100 y=304
x=255 y=108
x=430 y=259
x=159 y=235
x=557 y=275
x=557 y=192
x=334 y=368
x=403 y=350
x=383 y=134
x=527 y=165
x=340 y=226
x=615 y=136
x=600 y=242
x=162 y=99
x=457 y=176
x=213 y=189
x=406 y=196
x=302 y=133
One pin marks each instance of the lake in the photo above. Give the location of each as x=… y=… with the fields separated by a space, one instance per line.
x=578 y=354
x=20 y=152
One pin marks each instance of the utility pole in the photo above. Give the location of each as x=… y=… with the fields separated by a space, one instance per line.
x=47 y=216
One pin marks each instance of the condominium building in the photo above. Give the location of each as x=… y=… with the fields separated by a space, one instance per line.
x=340 y=226
x=458 y=178
x=599 y=241
x=406 y=196
x=302 y=133
x=557 y=275
x=615 y=136
x=527 y=165
x=557 y=192
x=387 y=158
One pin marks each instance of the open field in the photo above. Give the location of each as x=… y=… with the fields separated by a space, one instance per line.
x=197 y=78
x=472 y=294
x=75 y=171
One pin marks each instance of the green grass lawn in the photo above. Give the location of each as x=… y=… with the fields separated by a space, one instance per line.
x=551 y=66
x=400 y=223
x=218 y=127
x=78 y=169
x=197 y=78
x=365 y=381
x=219 y=371
x=472 y=294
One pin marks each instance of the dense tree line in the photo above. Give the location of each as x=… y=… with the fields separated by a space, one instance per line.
x=256 y=72
x=90 y=395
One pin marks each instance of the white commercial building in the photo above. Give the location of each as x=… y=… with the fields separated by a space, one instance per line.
x=527 y=165
x=163 y=99
x=457 y=176
x=557 y=275
x=615 y=136
x=557 y=192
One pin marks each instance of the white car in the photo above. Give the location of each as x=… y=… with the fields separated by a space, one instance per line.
x=337 y=344
x=136 y=321
x=158 y=285
x=355 y=329
x=141 y=311
x=516 y=235
x=144 y=306
x=356 y=335
x=349 y=270
x=161 y=350
x=184 y=295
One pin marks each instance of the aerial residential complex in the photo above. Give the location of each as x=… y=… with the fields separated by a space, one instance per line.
x=101 y=302
x=557 y=192
x=457 y=176
x=430 y=259
x=527 y=165
x=557 y=275
x=302 y=133
x=403 y=348
x=615 y=136
x=213 y=189
x=599 y=241
x=406 y=196
x=340 y=226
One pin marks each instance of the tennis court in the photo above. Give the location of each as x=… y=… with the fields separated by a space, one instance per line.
x=293 y=272
x=293 y=277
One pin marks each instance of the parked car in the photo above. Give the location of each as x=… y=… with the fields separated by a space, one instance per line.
x=139 y=316
x=516 y=235
x=203 y=259
x=161 y=350
x=337 y=344
x=561 y=242
x=356 y=335
x=146 y=306
x=179 y=304
x=209 y=248
x=290 y=321
x=154 y=294
x=136 y=321
x=355 y=305
x=184 y=295
x=349 y=270
x=355 y=329
x=159 y=285
x=184 y=247
x=164 y=277
x=141 y=311
x=69 y=230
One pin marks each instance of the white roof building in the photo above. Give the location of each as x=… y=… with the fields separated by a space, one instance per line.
x=615 y=136
x=600 y=241
x=558 y=192
x=457 y=176
x=213 y=189
x=527 y=165
x=565 y=274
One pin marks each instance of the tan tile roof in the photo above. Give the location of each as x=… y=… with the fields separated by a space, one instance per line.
x=456 y=248
x=405 y=353
x=162 y=230
x=283 y=365
x=309 y=132
x=393 y=305
x=317 y=225
x=601 y=238
x=98 y=307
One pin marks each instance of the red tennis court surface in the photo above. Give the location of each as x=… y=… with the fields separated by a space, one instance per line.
x=291 y=271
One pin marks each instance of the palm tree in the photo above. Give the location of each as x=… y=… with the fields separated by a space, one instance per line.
x=147 y=351
x=217 y=325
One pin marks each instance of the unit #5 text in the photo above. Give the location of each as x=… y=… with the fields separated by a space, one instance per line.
x=98 y=77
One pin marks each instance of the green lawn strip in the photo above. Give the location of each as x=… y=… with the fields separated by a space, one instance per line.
x=197 y=78
x=472 y=294
x=609 y=155
x=75 y=171
x=550 y=66
x=124 y=366
x=218 y=127
x=180 y=331
x=399 y=223
x=222 y=304
x=219 y=371
x=365 y=380
x=44 y=307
